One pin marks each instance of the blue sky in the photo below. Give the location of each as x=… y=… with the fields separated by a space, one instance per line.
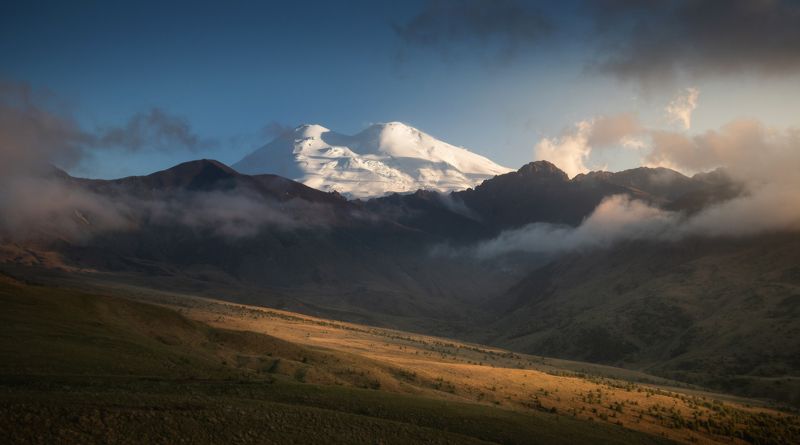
x=231 y=68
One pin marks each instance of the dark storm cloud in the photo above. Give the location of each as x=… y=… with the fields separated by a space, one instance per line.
x=652 y=41
x=641 y=40
x=506 y=25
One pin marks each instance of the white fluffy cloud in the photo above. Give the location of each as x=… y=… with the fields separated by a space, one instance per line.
x=747 y=148
x=765 y=160
x=570 y=151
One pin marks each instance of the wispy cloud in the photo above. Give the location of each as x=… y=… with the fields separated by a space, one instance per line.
x=748 y=148
x=154 y=129
x=274 y=129
x=33 y=133
x=680 y=109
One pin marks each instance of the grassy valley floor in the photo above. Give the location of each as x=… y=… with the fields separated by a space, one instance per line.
x=78 y=367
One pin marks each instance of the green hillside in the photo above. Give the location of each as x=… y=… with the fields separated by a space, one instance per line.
x=82 y=368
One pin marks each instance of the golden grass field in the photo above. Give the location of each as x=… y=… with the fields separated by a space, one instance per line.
x=401 y=362
x=140 y=363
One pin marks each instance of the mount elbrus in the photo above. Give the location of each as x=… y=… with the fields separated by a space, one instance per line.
x=291 y=235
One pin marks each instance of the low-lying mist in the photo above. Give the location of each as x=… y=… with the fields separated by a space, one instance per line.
x=50 y=208
x=620 y=218
x=764 y=160
x=37 y=201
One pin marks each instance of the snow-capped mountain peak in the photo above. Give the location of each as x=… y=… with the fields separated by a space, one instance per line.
x=383 y=158
x=309 y=131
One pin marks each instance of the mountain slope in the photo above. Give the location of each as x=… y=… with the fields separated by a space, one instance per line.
x=204 y=228
x=202 y=224
x=106 y=369
x=384 y=158
x=722 y=313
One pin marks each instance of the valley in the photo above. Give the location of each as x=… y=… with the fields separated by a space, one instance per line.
x=189 y=363
x=717 y=312
x=507 y=222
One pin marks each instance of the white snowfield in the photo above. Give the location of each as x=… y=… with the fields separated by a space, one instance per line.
x=384 y=158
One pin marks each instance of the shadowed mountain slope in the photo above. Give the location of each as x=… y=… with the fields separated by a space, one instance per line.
x=695 y=310
x=721 y=313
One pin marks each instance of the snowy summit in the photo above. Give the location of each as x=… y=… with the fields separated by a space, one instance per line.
x=384 y=158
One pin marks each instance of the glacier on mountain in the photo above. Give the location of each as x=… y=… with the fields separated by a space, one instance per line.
x=384 y=158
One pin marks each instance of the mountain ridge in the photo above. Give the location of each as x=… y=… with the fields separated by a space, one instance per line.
x=264 y=239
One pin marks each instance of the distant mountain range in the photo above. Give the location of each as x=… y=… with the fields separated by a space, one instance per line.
x=700 y=309
x=384 y=158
